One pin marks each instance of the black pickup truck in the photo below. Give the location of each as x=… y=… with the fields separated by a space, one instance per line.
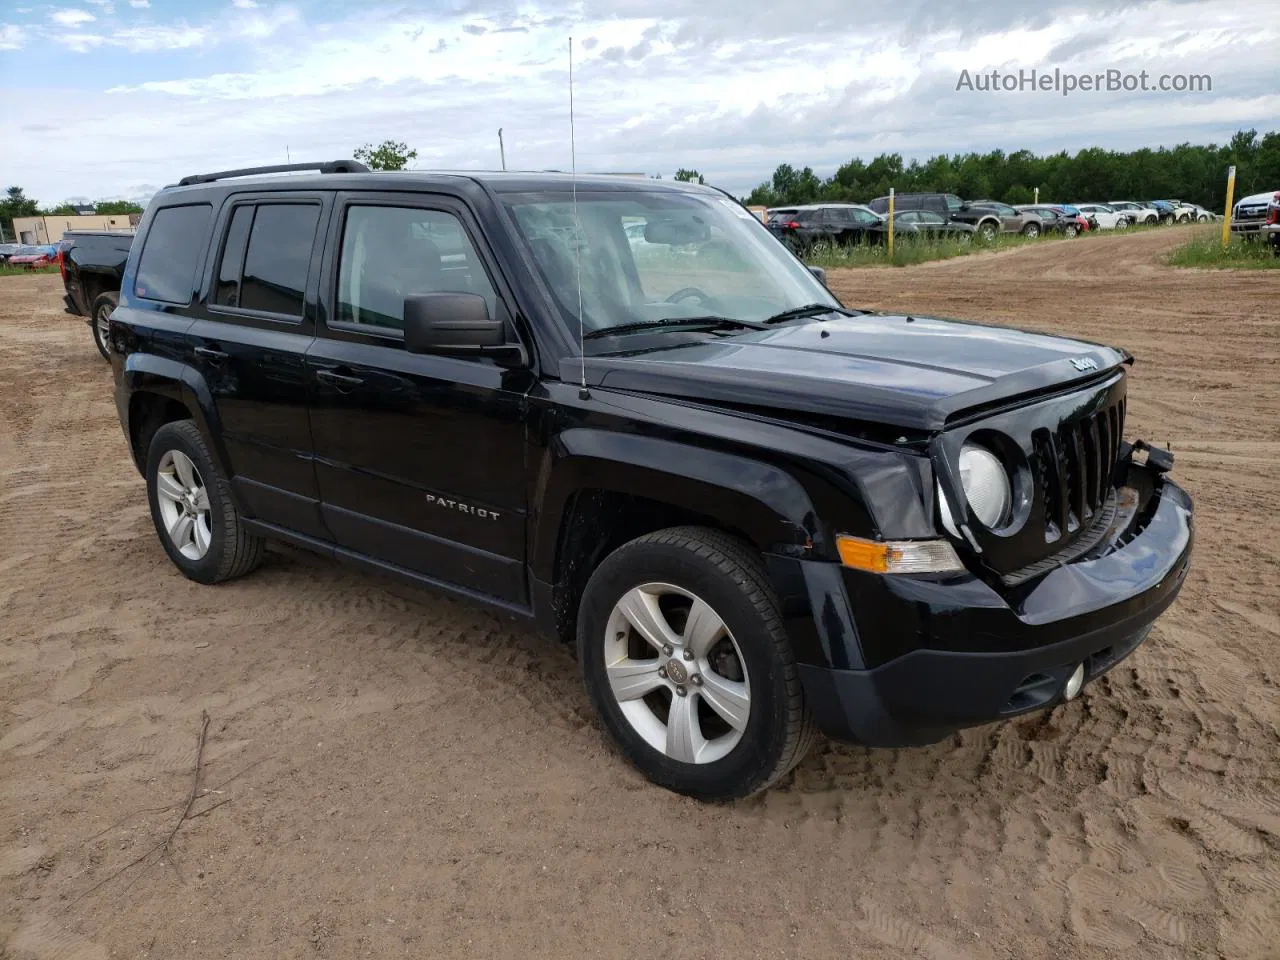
x=624 y=412
x=92 y=267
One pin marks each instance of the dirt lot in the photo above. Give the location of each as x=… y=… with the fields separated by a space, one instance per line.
x=401 y=775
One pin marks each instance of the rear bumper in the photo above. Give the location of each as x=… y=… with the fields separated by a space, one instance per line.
x=974 y=656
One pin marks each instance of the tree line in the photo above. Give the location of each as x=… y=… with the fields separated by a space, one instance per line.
x=16 y=203
x=1195 y=174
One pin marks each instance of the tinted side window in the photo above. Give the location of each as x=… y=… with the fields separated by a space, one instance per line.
x=171 y=253
x=390 y=253
x=275 y=265
x=227 y=291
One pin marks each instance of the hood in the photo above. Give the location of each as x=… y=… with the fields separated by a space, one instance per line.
x=907 y=372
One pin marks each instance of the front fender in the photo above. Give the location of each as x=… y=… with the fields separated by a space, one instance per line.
x=758 y=499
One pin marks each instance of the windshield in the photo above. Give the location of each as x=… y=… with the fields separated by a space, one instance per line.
x=652 y=257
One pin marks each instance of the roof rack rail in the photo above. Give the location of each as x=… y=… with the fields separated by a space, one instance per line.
x=329 y=166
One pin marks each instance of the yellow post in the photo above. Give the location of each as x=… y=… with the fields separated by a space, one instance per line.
x=1231 y=193
x=891 y=223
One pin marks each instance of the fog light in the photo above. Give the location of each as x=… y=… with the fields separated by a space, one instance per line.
x=1074 y=683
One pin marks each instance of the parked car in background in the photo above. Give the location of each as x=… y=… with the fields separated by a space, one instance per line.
x=1012 y=220
x=779 y=213
x=1138 y=213
x=1105 y=217
x=1054 y=221
x=819 y=225
x=7 y=250
x=1083 y=221
x=922 y=224
x=92 y=268
x=1272 y=228
x=1249 y=217
x=34 y=257
x=1201 y=215
x=1184 y=212
x=986 y=222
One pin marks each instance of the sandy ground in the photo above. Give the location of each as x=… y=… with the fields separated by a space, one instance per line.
x=402 y=775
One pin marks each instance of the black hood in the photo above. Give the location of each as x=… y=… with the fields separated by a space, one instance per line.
x=909 y=372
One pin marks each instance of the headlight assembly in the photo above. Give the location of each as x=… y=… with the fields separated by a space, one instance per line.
x=986 y=486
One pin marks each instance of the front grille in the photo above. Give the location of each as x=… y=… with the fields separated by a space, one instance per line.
x=1074 y=467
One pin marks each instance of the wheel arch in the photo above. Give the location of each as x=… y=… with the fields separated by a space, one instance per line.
x=159 y=391
x=598 y=490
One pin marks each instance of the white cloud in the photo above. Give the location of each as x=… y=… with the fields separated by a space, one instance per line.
x=140 y=4
x=695 y=83
x=72 y=18
x=108 y=6
x=12 y=36
x=244 y=4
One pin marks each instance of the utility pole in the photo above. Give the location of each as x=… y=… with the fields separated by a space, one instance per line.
x=502 y=150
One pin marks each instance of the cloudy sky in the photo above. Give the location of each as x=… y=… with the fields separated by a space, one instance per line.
x=113 y=98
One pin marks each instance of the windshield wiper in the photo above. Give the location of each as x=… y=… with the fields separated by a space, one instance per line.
x=641 y=325
x=810 y=310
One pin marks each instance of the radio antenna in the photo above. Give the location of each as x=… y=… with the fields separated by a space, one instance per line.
x=577 y=235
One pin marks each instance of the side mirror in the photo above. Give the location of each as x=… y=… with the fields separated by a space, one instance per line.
x=819 y=273
x=450 y=323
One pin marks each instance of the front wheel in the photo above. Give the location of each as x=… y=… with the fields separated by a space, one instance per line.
x=191 y=506
x=1070 y=230
x=1122 y=224
x=1031 y=231
x=987 y=232
x=684 y=656
x=101 y=326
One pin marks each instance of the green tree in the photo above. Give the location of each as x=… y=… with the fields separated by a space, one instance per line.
x=689 y=176
x=17 y=204
x=388 y=155
x=61 y=210
x=115 y=208
x=1192 y=172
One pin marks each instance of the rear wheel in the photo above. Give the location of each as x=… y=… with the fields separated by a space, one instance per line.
x=684 y=656
x=1122 y=223
x=1031 y=231
x=987 y=231
x=1070 y=230
x=191 y=506
x=101 y=314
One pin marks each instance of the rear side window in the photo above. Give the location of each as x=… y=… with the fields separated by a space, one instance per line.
x=171 y=253
x=277 y=258
x=227 y=291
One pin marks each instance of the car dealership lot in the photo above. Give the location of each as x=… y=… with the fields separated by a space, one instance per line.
x=408 y=775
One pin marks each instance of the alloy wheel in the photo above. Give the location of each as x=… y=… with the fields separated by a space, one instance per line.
x=184 y=505
x=677 y=673
x=102 y=326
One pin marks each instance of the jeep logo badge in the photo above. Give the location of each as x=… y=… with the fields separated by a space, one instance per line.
x=1084 y=363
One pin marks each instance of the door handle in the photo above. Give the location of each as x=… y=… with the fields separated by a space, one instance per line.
x=338 y=379
x=209 y=353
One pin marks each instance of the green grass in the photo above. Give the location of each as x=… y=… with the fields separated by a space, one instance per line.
x=909 y=250
x=1206 y=250
x=8 y=271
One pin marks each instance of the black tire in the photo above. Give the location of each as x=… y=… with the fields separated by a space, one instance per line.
x=98 y=315
x=729 y=576
x=987 y=232
x=1070 y=230
x=1031 y=231
x=233 y=551
x=1122 y=223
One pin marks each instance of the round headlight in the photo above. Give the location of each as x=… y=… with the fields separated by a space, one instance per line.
x=986 y=485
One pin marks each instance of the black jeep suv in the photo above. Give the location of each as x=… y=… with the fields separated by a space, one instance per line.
x=623 y=411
